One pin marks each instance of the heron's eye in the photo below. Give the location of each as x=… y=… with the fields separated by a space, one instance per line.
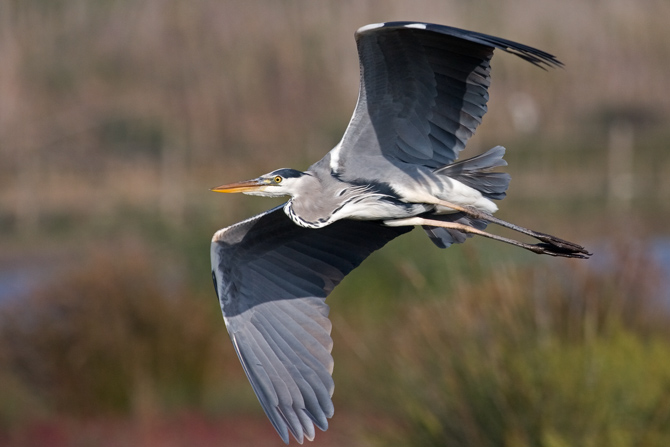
x=277 y=179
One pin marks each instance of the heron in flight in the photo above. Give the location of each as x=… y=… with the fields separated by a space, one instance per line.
x=423 y=92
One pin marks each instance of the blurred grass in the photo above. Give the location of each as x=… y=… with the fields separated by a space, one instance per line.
x=536 y=356
x=117 y=116
x=113 y=337
x=456 y=348
x=109 y=105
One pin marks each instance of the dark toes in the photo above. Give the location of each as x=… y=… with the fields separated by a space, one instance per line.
x=571 y=251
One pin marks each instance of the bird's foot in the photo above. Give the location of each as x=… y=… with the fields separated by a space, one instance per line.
x=555 y=250
x=552 y=245
x=569 y=249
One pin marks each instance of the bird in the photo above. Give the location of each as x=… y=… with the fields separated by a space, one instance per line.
x=423 y=92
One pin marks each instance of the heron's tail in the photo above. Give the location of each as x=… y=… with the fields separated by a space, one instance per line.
x=475 y=173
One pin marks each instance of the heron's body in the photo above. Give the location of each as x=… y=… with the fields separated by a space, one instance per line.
x=395 y=192
x=424 y=90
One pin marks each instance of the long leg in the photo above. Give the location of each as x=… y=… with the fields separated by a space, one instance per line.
x=546 y=249
x=557 y=242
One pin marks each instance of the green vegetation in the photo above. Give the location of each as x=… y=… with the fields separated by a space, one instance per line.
x=551 y=355
x=536 y=357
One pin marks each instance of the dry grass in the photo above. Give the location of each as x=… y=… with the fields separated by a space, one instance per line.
x=152 y=102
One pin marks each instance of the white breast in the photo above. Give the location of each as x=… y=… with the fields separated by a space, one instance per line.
x=360 y=207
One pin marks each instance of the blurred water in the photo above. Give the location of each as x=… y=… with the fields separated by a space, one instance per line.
x=656 y=250
x=17 y=282
x=660 y=253
x=20 y=280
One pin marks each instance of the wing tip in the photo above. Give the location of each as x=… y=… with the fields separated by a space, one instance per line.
x=536 y=57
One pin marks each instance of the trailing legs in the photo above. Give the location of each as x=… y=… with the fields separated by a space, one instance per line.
x=550 y=245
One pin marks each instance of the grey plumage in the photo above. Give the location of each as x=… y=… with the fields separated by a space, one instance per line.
x=272 y=278
x=476 y=173
x=423 y=92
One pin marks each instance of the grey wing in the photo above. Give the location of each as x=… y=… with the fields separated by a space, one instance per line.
x=272 y=278
x=423 y=92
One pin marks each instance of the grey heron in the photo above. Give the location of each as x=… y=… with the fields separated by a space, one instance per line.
x=423 y=92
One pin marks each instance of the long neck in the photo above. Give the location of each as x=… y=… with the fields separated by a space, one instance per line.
x=315 y=202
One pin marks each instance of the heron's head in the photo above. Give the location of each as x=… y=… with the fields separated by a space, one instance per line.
x=281 y=182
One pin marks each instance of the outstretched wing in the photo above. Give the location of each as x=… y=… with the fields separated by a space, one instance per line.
x=423 y=92
x=272 y=278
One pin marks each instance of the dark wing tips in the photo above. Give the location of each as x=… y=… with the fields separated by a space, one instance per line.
x=533 y=55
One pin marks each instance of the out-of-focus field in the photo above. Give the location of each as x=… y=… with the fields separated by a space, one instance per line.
x=117 y=116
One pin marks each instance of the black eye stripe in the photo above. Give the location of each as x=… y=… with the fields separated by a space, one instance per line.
x=287 y=173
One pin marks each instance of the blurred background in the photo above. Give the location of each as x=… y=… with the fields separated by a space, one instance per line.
x=117 y=116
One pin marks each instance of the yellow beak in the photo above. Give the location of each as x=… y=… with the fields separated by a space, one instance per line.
x=245 y=186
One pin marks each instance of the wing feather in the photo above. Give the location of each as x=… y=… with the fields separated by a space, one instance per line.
x=423 y=92
x=272 y=278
